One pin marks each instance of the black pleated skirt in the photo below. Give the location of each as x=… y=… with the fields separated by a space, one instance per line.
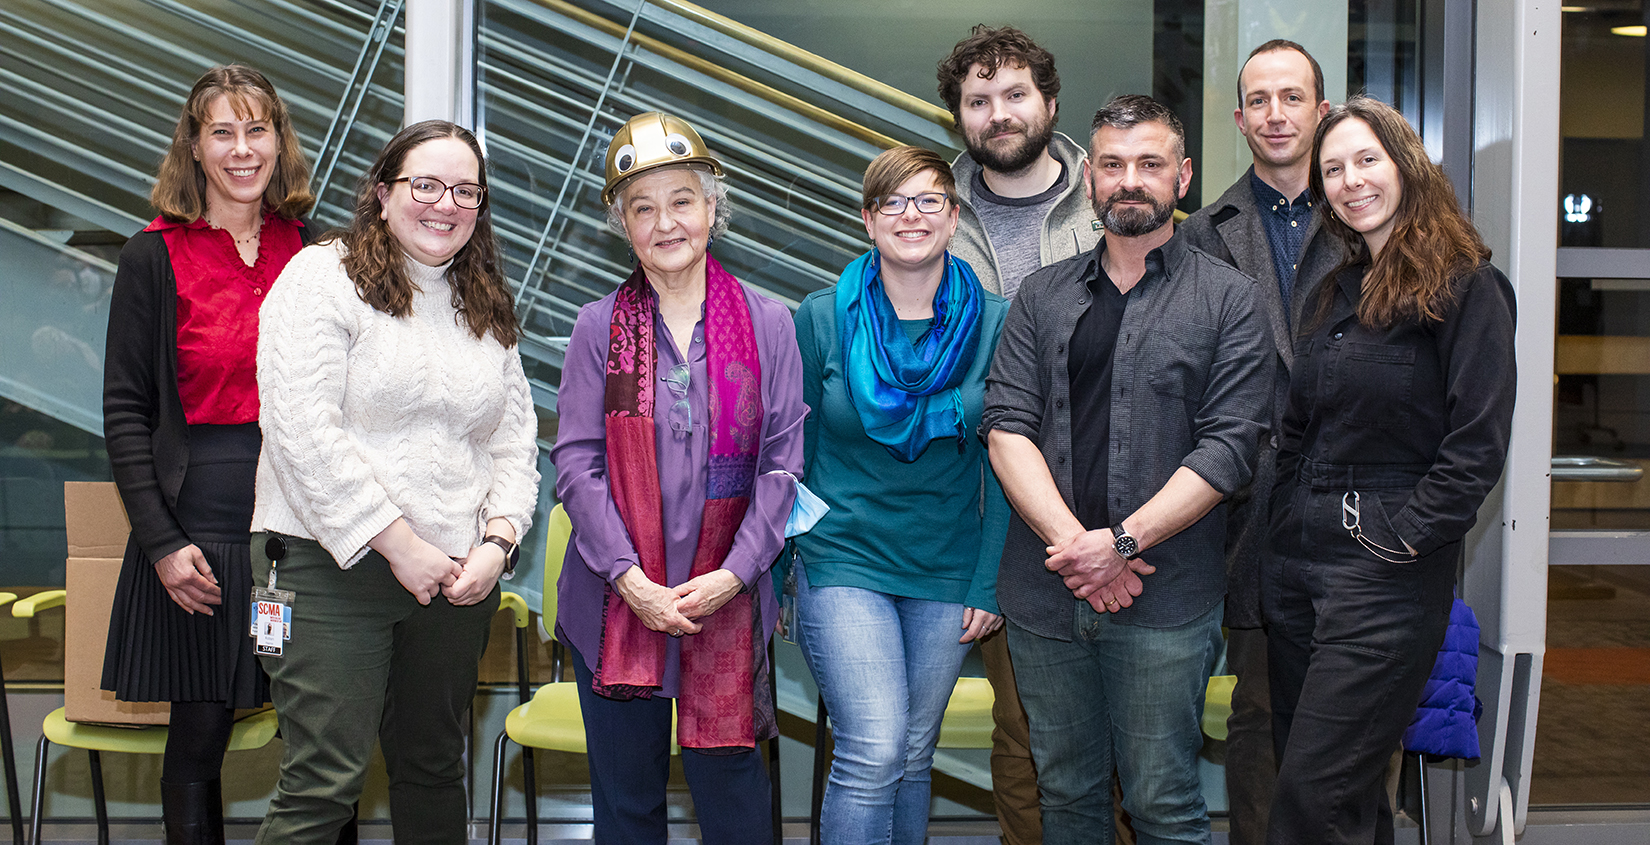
x=159 y=652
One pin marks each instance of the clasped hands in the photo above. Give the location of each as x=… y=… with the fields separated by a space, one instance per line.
x=463 y=581
x=426 y=572
x=1094 y=571
x=676 y=610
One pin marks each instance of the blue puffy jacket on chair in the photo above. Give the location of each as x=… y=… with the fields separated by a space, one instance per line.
x=1446 y=723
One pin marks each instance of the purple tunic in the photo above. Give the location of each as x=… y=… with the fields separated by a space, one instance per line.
x=600 y=550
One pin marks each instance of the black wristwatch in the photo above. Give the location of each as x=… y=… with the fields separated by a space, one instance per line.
x=1127 y=547
x=512 y=553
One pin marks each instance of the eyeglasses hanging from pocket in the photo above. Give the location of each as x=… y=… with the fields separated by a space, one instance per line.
x=679 y=378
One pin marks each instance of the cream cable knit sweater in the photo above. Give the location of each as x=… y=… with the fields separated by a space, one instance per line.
x=368 y=417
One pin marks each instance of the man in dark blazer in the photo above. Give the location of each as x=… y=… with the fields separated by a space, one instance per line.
x=1266 y=226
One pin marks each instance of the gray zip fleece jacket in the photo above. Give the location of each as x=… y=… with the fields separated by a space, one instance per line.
x=1069 y=230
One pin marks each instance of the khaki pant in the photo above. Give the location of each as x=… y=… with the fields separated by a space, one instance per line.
x=1013 y=776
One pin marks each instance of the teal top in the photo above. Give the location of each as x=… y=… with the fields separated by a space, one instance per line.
x=930 y=529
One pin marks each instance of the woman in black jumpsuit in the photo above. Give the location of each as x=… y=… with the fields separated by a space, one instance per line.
x=1399 y=415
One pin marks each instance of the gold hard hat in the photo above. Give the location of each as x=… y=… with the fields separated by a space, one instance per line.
x=650 y=141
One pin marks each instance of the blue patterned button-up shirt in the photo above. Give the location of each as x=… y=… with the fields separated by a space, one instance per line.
x=1286 y=223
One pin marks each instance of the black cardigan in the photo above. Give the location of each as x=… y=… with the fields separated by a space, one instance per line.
x=144 y=428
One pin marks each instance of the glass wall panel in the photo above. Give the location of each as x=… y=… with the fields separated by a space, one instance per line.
x=1597 y=667
x=1602 y=118
x=51 y=383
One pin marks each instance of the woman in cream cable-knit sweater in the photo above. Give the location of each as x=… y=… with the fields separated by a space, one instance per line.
x=397 y=473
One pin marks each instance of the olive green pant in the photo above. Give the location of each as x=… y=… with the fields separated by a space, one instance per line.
x=367 y=662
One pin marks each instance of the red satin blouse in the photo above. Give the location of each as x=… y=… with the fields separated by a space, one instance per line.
x=218 y=300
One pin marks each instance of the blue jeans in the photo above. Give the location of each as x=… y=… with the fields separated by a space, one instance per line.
x=1121 y=697
x=886 y=666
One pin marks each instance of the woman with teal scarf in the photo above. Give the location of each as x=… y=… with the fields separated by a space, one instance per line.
x=899 y=578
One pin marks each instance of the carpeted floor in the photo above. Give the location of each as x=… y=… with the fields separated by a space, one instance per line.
x=1592 y=742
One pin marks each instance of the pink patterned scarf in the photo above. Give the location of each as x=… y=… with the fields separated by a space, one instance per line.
x=719 y=665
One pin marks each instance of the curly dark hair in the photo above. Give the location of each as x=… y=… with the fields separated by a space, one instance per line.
x=991 y=49
x=1433 y=242
x=374 y=259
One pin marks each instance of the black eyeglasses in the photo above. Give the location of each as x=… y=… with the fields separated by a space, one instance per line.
x=931 y=203
x=429 y=191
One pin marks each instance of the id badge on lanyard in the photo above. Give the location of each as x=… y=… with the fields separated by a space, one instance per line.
x=272 y=608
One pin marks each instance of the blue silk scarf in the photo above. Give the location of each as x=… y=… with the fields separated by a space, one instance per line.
x=906 y=392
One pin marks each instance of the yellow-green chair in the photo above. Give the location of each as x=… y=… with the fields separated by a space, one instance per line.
x=1217 y=706
x=254 y=731
x=551 y=718
x=967 y=723
x=7 y=754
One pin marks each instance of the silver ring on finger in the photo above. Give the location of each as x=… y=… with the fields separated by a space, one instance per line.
x=676 y=632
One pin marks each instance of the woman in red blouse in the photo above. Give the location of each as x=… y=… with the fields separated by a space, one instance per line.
x=180 y=418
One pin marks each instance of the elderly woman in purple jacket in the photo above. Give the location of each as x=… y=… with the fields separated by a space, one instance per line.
x=679 y=447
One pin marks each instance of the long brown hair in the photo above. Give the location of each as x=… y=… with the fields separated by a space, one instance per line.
x=180 y=187
x=1432 y=241
x=375 y=261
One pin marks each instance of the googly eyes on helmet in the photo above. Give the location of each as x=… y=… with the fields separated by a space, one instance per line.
x=651 y=141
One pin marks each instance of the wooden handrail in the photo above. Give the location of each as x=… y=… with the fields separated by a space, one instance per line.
x=818 y=64
x=767 y=92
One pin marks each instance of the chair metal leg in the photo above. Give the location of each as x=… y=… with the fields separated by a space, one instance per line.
x=818 y=803
x=97 y=798
x=530 y=789
x=10 y=762
x=530 y=795
x=496 y=806
x=523 y=690
x=39 y=800
x=1421 y=768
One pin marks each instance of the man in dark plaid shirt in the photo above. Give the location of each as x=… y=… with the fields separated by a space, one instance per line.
x=1127 y=398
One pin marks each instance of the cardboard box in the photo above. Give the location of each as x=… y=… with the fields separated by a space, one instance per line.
x=97 y=529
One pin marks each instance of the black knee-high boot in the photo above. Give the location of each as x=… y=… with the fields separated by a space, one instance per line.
x=193 y=812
